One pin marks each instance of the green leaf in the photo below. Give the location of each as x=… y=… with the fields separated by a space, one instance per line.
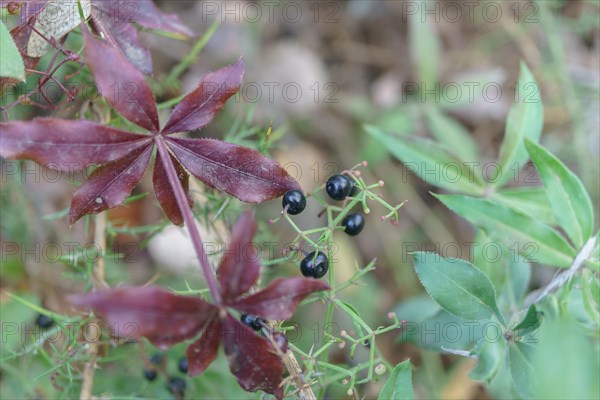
x=519 y=275
x=15 y=312
x=490 y=258
x=536 y=241
x=530 y=200
x=457 y=286
x=489 y=358
x=521 y=369
x=525 y=120
x=452 y=134
x=436 y=329
x=566 y=362
x=530 y=323
x=570 y=201
x=424 y=49
x=399 y=385
x=430 y=162
x=11 y=63
x=590 y=288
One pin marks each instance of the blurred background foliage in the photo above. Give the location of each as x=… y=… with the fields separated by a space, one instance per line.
x=319 y=78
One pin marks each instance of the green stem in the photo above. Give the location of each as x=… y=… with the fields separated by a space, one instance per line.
x=191 y=57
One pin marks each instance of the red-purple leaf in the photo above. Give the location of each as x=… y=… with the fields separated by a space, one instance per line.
x=204 y=350
x=252 y=359
x=237 y=170
x=161 y=316
x=121 y=83
x=146 y=14
x=109 y=185
x=240 y=265
x=66 y=145
x=280 y=299
x=164 y=191
x=124 y=37
x=199 y=107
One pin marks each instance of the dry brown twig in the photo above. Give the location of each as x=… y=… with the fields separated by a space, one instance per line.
x=99 y=283
x=304 y=390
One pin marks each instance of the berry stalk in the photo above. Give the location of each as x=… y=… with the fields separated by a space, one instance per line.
x=188 y=218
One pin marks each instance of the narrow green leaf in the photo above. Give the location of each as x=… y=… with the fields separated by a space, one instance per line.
x=591 y=296
x=424 y=49
x=457 y=286
x=11 y=63
x=452 y=134
x=430 y=162
x=519 y=275
x=399 y=385
x=441 y=330
x=489 y=358
x=525 y=120
x=490 y=257
x=530 y=323
x=566 y=362
x=535 y=240
x=531 y=200
x=521 y=370
x=570 y=201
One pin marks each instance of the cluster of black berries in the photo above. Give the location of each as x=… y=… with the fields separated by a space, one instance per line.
x=176 y=385
x=338 y=187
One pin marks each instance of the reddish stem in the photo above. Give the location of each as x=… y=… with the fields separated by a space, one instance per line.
x=188 y=218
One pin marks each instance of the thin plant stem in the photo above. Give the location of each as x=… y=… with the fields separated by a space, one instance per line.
x=191 y=57
x=98 y=283
x=188 y=218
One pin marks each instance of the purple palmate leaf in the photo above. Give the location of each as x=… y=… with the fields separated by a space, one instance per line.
x=252 y=359
x=203 y=351
x=164 y=191
x=151 y=17
x=239 y=171
x=280 y=299
x=240 y=265
x=58 y=144
x=162 y=317
x=121 y=84
x=123 y=36
x=199 y=107
x=66 y=145
x=109 y=185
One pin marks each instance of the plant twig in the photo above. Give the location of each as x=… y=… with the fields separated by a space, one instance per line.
x=98 y=283
x=304 y=390
x=100 y=242
x=562 y=278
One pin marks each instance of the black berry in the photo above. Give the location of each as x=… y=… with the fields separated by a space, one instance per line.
x=177 y=387
x=354 y=223
x=44 y=321
x=150 y=374
x=156 y=358
x=314 y=267
x=338 y=187
x=295 y=201
x=183 y=365
x=252 y=321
